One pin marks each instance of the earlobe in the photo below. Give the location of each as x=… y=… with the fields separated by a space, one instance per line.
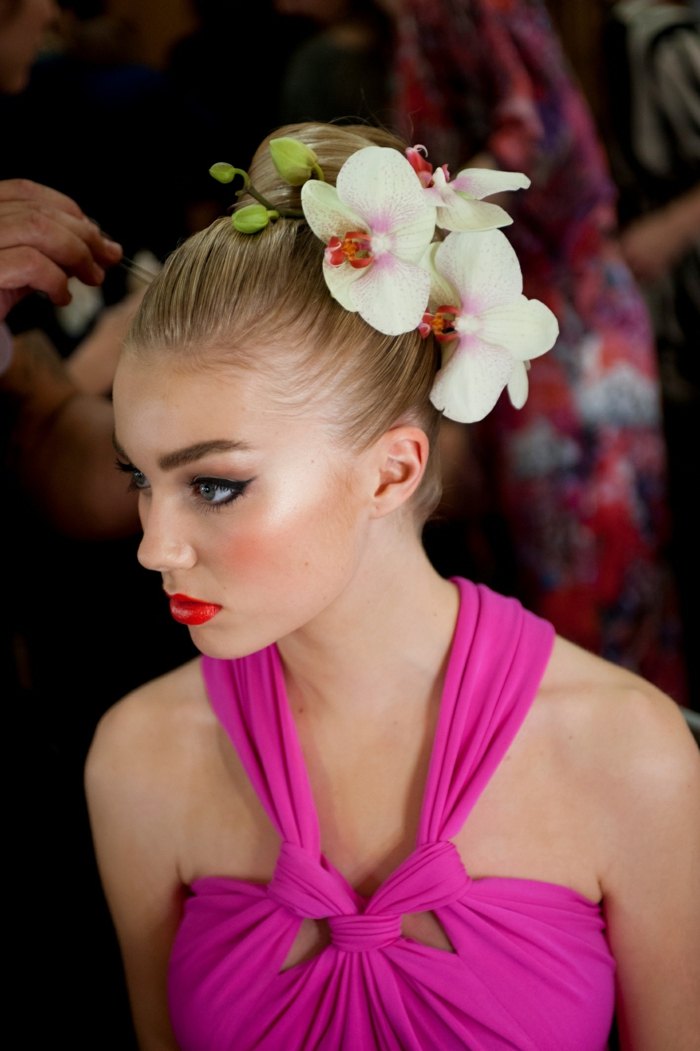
x=401 y=461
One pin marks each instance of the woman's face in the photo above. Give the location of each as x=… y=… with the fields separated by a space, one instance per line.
x=243 y=506
x=22 y=29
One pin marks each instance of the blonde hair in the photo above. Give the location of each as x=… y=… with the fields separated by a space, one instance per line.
x=260 y=301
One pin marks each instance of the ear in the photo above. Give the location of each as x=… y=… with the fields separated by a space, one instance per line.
x=402 y=455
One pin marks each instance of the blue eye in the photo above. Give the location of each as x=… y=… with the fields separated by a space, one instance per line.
x=138 y=479
x=217 y=492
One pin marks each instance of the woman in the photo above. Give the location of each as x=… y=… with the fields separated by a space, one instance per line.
x=383 y=809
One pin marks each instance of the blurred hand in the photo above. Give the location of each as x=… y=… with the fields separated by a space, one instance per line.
x=652 y=243
x=92 y=363
x=44 y=239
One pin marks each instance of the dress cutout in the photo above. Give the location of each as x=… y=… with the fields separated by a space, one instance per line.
x=531 y=968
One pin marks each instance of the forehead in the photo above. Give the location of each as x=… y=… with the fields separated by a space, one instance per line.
x=158 y=405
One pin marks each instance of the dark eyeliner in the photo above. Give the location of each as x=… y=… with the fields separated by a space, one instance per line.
x=128 y=468
x=234 y=488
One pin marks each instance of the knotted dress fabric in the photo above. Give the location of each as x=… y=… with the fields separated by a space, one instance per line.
x=530 y=967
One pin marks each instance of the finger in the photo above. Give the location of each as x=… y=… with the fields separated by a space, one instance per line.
x=23 y=269
x=23 y=197
x=74 y=244
x=36 y=193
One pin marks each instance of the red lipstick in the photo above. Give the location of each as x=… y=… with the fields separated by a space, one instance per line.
x=188 y=610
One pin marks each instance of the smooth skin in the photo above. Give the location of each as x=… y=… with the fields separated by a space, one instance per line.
x=600 y=791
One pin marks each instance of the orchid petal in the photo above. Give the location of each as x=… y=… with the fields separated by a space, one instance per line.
x=527 y=328
x=459 y=209
x=468 y=386
x=482 y=266
x=482 y=182
x=325 y=212
x=409 y=242
x=391 y=296
x=441 y=291
x=458 y=201
x=378 y=184
x=518 y=385
x=462 y=213
x=339 y=280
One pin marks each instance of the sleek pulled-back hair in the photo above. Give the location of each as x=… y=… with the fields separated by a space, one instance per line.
x=260 y=301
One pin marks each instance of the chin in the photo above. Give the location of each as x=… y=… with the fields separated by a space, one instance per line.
x=227 y=646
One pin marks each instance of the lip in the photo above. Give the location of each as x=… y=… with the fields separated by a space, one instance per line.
x=186 y=610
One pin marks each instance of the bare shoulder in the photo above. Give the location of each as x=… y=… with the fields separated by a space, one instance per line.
x=616 y=726
x=145 y=732
x=631 y=765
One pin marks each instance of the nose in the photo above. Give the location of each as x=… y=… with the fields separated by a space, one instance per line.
x=164 y=545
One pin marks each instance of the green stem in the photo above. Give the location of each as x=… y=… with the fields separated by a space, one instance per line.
x=288 y=213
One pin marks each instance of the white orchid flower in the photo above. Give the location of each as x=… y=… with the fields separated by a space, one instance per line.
x=459 y=201
x=376 y=223
x=488 y=329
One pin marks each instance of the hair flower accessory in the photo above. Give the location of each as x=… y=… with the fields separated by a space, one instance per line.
x=489 y=330
x=376 y=223
x=252 y=218
x=459 y=201
x=295 y=163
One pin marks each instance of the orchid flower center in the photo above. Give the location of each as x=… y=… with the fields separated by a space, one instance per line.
x=381 y=244
x=354 y=248
x=442 y=324
x=467 y=324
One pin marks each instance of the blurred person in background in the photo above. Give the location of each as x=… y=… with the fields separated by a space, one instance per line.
x=652 y=54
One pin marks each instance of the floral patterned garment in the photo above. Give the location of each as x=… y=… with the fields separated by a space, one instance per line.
x=580 y=471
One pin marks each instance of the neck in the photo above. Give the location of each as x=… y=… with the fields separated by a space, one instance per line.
x=383 y=640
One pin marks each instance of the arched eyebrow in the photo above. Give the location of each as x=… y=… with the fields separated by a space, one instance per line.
x=191 y=453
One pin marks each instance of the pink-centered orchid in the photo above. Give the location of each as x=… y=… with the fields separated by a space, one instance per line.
x=376 y=223
x=459 y=202
x=488 y=329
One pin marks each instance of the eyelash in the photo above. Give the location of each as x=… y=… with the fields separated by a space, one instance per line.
x=128 y=468
x=234 y=489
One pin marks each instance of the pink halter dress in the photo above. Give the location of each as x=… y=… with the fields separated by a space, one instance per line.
x=531 y=968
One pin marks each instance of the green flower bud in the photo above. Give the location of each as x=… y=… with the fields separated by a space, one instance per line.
x=252 y=218
x=294 y=161
x=223 y=172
